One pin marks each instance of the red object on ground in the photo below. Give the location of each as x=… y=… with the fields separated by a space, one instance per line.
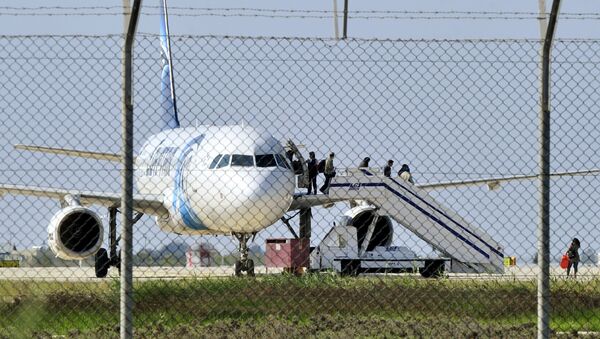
x=287 y=253
x=564 y=262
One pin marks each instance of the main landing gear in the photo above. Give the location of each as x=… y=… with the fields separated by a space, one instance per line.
x=102 y=260
x=244 y=264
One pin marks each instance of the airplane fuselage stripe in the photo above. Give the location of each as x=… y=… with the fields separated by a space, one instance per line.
x=180 y=201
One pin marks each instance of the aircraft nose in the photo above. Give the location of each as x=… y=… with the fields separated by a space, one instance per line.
x=243 y=201
x=268 y=196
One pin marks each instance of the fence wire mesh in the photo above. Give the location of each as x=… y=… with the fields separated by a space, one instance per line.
x=440 y=243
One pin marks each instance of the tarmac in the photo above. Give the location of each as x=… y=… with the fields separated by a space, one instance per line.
x=83 y=274
x=87 y=274
x=531 y=271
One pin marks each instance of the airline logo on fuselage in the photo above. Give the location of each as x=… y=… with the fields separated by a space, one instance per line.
x=355 y=186
x=161 y=161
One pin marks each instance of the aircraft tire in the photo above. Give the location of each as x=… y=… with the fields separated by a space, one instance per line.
x=238 y=268
x=433 y=269
x=250 y=268
x=101 y=263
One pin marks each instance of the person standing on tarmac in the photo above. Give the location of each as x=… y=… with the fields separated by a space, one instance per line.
x=404 y=174
x=387 y=170
x=364 y=162
x=329 y=172
x=313 y=171
x=573 y=254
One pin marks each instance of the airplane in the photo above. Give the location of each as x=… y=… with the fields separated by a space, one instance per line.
x=218 y=180
x=195 y=180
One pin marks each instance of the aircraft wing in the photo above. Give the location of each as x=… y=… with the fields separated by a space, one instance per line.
x=305 y=201
x=145 y=203
x=493 y=183
x=71 y=152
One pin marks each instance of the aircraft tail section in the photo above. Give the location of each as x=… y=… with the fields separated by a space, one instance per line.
x=168 y=103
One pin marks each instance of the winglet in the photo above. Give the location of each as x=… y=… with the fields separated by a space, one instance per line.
x=168 y=102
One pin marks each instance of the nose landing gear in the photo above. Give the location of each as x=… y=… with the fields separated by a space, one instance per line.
x=244 y=264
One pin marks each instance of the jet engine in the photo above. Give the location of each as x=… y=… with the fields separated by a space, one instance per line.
x=361 y=217
x=75 y=233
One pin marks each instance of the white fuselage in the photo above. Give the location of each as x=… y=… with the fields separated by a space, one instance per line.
x=216 y=179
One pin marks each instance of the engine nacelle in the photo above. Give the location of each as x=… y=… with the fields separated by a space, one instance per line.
x=75 y=233
x=361 y=217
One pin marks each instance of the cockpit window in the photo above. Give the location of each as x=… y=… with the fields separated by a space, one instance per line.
x=224 y=162
x=215 y=161
x=242 y=160
x=281 y=161
x=265 y=160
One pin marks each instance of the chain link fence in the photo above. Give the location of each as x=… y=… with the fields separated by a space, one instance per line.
x=448 y=249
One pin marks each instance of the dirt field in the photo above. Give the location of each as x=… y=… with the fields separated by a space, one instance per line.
x=286 y=306
x=328 y=327
x=320 y=327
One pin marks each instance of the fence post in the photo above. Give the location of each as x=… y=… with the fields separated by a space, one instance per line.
x=335 y=21
x=543 y=290
x=127 y=190
x=345 y=19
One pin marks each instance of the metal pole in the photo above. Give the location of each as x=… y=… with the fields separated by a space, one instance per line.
x=345 y=19
x=305 y=223
x=543 y=21
x=543 y=291
x=126 y=16
x=127 y=198
x=542 y=18
x=335 y=20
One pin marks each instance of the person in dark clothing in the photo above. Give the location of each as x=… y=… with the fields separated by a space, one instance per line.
x=365 y=162
x=573 y=254
x=313 y=171
x=404 y=173
x=387 y=170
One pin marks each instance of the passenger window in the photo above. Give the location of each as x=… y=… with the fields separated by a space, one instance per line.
x=281 y=161
x=265 y=160
x=224 y=162
x=242 y=160
x=215 y=161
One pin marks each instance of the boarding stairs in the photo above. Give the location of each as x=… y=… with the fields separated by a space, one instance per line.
x=470 y=249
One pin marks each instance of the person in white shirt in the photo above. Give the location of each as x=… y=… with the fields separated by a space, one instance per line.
x=404 y=174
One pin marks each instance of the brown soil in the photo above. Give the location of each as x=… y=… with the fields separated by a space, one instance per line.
x=323 y=327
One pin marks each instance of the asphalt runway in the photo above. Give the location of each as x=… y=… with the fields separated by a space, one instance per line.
x=82 y=274
x=86 y=274
x=530 y=272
